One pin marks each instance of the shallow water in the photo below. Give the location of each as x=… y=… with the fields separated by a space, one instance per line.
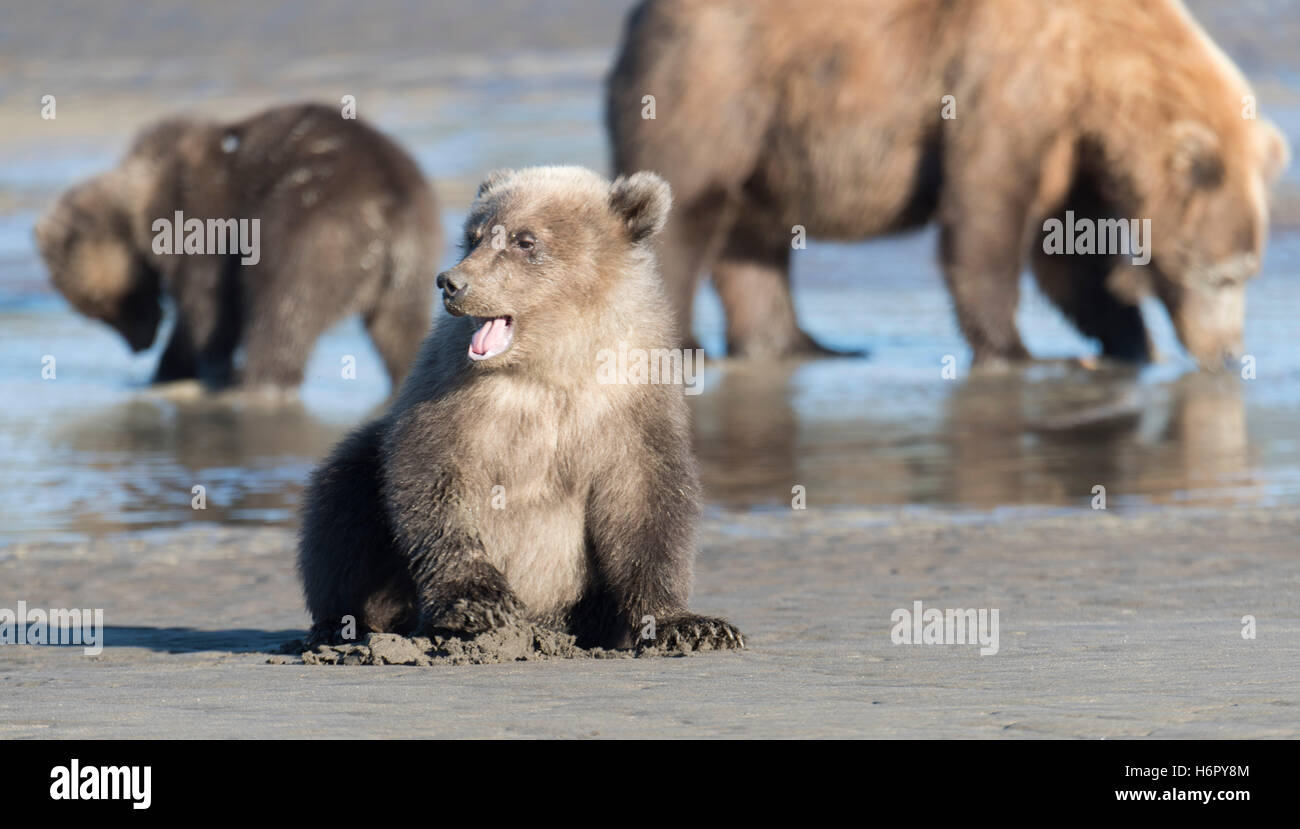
x=96 y=451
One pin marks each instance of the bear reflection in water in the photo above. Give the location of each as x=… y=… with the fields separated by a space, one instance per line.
x=1045 y=434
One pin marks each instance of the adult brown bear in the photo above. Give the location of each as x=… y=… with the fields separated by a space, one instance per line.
x=856 y=118
x=342 y=221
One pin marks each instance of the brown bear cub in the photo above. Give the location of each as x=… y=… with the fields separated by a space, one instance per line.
x=510 y=481
x=264 y=232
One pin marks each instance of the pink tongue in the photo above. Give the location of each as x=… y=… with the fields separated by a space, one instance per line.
x=490 y=337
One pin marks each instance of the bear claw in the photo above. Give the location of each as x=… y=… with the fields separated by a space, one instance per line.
x=693 y=633
x=470 y=617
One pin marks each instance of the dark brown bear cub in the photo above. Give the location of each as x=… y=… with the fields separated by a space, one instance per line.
x=509 y=481
x=264 y=232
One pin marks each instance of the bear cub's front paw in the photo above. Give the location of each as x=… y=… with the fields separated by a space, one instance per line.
x=691 y=633
x=472 y=612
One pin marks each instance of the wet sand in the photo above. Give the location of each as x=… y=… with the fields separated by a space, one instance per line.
x=1112 y=626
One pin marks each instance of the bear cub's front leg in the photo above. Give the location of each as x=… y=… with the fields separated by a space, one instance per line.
x=468 y=599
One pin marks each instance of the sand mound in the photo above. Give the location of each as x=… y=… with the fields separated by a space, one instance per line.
x=514 y=643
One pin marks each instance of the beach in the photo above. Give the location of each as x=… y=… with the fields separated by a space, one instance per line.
x=1111 y=626
x=838 y=493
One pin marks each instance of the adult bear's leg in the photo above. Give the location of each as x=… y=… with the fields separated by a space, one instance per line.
x=983 y=275
x=752 y=278
x=1078 y=285
x=982 y=221
x=688 y=243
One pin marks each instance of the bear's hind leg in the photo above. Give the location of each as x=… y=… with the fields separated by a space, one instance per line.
x=346 y=557
x=290 y=298
x=277 y=347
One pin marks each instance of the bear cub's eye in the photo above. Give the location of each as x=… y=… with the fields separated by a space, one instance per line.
x=525 y=241
x=472 y=238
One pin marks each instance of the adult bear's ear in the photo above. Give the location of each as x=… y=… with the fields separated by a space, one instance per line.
x=1196 y=155
x=642 y=200
x=49 y=224
x=1277 y=153
x=493 y=179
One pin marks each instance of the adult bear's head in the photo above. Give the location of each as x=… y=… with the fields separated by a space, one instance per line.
x=1209 y=223
x=554 y=259
x=86 y=241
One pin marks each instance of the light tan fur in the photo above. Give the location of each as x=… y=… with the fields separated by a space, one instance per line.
x=830 y=116
x=511 y=480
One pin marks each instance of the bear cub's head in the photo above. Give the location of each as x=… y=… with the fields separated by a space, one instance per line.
x=88 y=238
x=551 y=254
x=86 y=242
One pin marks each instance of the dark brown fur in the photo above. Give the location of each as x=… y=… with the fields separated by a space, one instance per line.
x=829 y=116
x=599 y=483
x=348 y=224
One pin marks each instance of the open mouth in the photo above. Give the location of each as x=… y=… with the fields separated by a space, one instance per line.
x=492 y=338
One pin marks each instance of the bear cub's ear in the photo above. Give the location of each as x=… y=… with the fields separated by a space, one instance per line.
x=493 y=179
x=642 y=201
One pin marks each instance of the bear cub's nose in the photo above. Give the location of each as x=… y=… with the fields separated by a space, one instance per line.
x=451 y=285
